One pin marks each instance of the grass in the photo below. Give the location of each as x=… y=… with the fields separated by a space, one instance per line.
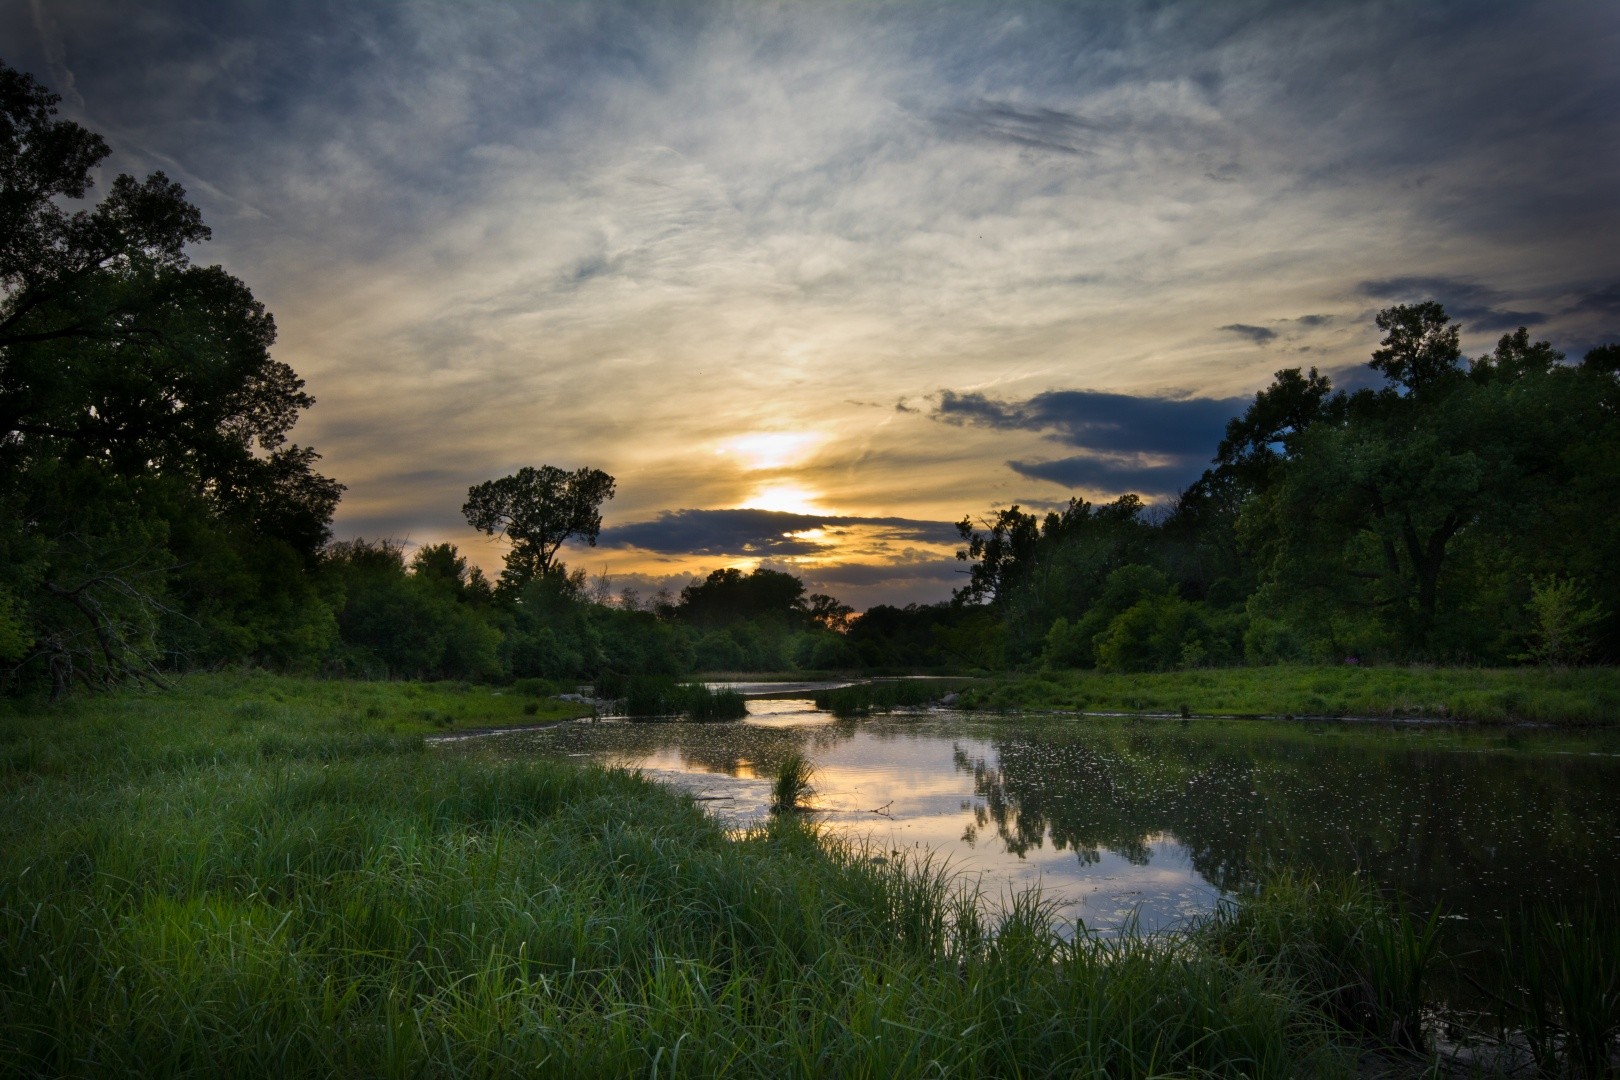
x=1574 y=696
x=792 y=785
x=254 y=876
x=661 y=697
x=865 y=698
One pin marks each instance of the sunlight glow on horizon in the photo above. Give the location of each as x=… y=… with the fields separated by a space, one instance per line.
x=786 y=497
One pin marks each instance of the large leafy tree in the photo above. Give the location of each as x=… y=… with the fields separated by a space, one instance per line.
x=1399 y=513
x=538 y=510
x=139 y=405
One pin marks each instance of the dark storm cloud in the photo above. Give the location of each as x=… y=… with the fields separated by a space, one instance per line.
x=757 y=532
x=1260 y=335
x=1478 y=307
x=1108 y=423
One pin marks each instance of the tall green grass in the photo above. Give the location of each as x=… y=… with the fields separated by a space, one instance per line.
x=1561 y=969
x=662 y=697
x=863 y=699
x=792 y=785
x=221 y=883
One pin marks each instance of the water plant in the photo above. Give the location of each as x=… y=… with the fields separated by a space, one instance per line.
x=662 y=697
x=792 y=785
x=1562 y=969
x=863 y=699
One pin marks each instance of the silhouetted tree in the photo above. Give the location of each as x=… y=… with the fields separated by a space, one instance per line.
x=142 y=420
x=538 y=510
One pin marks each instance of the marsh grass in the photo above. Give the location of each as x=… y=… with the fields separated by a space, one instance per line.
x=256 y=877
x=792 y=786
x=1562 y=971
x=1362 y=960
x=1574 y=696
x=863 y=699
x=661 y=697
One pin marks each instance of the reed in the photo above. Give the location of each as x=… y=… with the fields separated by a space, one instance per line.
x=863 y=699
x=662 y=697
x=1562 y=970
x=792 y=785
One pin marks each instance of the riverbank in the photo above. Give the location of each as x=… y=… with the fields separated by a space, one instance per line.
x=1568 y=696
x=256 y=876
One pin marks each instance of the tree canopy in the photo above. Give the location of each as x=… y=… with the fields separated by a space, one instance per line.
x=142 y=417
x=538 y=510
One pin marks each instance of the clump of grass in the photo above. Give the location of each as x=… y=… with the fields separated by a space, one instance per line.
x=863 y=699
x=1365 y=960
x=1563 y=970
x=658 y=696
x=792 y=785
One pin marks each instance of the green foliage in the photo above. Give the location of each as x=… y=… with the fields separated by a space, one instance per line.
x=1575 y=697
x=1154 y=634
x=143 y=424
x=1565 y=617
x=537 y=511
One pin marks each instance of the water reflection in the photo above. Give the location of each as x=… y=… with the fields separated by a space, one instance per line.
x=1158 y=818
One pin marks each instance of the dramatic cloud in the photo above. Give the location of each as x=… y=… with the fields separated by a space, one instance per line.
x=1108 y=423
x=628 y=235
x=753 y=533
x=1153 y=446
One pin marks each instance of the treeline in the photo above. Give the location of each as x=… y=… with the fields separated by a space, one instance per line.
x=433 y=617
x=1466 y=511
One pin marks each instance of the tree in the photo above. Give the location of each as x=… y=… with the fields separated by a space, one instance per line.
x=137 y=393
x=1420 y=350
x=538 y=510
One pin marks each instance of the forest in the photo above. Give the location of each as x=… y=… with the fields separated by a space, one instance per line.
x=156 y=519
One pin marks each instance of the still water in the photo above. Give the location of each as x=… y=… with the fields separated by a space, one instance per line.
x=1158 y=819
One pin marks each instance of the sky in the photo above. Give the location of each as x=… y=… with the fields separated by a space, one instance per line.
x=814 y=280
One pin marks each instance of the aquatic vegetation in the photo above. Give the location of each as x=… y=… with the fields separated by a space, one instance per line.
x=792 y=785
x=1561 y=971
x=882 y=696
x=657 y=696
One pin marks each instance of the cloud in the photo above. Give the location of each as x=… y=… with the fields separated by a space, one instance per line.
x=1036 y=127
x=1260 y=335
x=1103 y=474
x=1604 y=301
x=1103 y=422
x=1153 y=446
x=618 y=233
x=756 y=533
x=1476 y=306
